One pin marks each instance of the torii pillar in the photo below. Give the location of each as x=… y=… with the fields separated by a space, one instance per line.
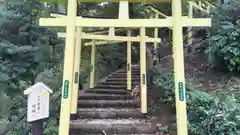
x=124 y=14
x=68 y=68
x=178 y=57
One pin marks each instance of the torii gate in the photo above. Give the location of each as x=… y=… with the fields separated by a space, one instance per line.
x=108 y=39
x=176 y=22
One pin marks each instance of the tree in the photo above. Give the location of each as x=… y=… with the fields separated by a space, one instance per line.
x=25 y=49
x=223 y=51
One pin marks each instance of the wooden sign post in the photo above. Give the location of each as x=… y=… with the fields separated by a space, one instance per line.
x=38 y=106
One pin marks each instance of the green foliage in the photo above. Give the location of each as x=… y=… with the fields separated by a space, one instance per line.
x=207 y=114
x=224 y=50
x=110 y=58
x=214 y=117
x=27 y=54
x=24 y=46
x=52 y=130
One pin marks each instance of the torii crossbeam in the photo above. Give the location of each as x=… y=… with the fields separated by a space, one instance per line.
x=112 y=38
x=127 y=23
x=177 y=22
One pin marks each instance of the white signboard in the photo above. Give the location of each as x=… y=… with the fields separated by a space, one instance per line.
x=38 y=102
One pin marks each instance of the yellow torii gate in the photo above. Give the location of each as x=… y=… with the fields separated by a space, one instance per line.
x=110 y=37
x=176 y=22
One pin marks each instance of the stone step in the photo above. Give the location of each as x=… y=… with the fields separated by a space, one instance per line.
x=123 y=76
x=111 y=126
x=111 y=86
x=122 y=79
x=117 y=83
x=125 y=73
x=108 y=91
x=110 y=113
x=94 y=96
x=134 y=71
x=133 y=68
x=108 y=104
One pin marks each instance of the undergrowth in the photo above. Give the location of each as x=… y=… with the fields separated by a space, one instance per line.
x=223 y=50
x=207 y=114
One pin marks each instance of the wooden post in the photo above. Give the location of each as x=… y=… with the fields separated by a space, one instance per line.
x=123 y=10
x=68 y=68
x=178 y=57
x=155 y=54
x=37 y=127
x=190 y=34
x=77 y=62
x=129 y=63
x=156 y=35
x=93 y=62
x=143 y=71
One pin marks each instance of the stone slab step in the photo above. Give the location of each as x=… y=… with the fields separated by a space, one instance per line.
x=134 y=71
x=116 y=83
x=108 y=104
x=110 y=79
x=133 y=67
x=108 y=91
x=111 y=86
x=110 y=113
x=94 y=96
x=125 y=73
x=123 y=76
x=125 y=70
x=110 y=126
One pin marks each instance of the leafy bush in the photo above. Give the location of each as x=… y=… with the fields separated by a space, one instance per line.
x=224 y=48
x=207 y=115
x=213 y=117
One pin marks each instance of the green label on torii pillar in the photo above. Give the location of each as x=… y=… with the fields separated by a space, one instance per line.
x=76 y=78
x=143 y=79
x=65 y=89
x=181 y=91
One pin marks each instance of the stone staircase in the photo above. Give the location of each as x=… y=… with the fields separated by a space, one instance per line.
x=110 y=108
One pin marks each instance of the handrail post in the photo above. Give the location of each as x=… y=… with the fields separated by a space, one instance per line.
x=178 y=57
x=143 y=70
x=77 y=62
x=68 y=68
x=93 y=61
x=129 y=63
